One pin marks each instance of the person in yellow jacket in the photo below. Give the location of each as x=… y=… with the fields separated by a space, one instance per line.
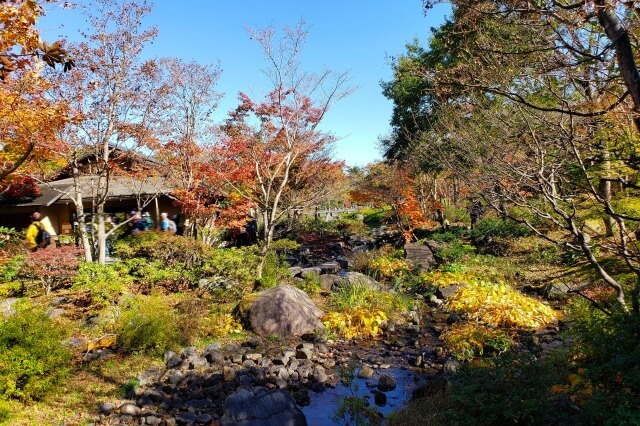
x=32 y=231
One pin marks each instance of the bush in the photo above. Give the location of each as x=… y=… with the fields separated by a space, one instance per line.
x=454 y=251
x=146 y=324
x=492 y=235
x=275 y=271
x=105 y=283
x=33 y=360
x=502 y=306
x=53 y=267
x=468 y=340
x=606 y=346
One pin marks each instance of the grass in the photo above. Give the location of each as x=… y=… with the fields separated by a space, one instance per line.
x=79 y=396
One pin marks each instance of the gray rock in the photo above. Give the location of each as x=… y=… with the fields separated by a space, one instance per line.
x=306 y=272
x=55 y=312
x=175 y=377
x=343 y=262
x=295 y=271
x=434 y=300
x=196 y=362
x=328 y=282
x=271 y=408
x=386 y=382
x=189 y=351
x=213 y=355
x=6 y=306
x=452 y=365
x=204 y=419
x=319 y=374
x=365 y=372
x=106 y=408
x=153 y=420
x=186 y=418
x=435 y=246
x=253 y=357
x=229 y=374
x=351 y=278
x=329 y=268
x=174 y=362
x=419 y=255
x=446 y=292
x=304 y=353
x=129 y=409
x=284 y=311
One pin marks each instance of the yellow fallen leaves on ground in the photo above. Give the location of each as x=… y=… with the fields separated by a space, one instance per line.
x=502 y=306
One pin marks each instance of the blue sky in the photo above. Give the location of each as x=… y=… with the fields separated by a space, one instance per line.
x=348 y=35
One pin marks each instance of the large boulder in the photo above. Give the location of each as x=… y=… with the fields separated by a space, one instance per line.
x=271 y=408
x=420 y=255
x=283 y=311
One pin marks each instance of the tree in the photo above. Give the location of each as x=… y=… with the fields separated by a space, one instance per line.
x=116 y=99
x=20 y=43
x=391 y=184
x=267 y=143
x=187 y=141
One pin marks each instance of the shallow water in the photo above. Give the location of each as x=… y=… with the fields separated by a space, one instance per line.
x=323 y=405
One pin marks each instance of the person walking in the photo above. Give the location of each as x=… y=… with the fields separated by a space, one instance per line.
x=37 y=236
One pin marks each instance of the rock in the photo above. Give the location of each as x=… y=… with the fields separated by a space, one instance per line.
x=272 y=408
x=446 y=292
x=213 y=355
x=435 y=246
x=231 y=348
x=174 y=361
x=319 y=374
x=307 y=272
x=284 y=311
x=175 y=377
x=204 y=419
x=189 y=351
x=453 y=318
x=419 y=255
x=433 y=299
x=379 y=398
x=452 y=365
x=55 y=312
x=186 y=418
x=106 y=408
x=129 y=409
x=343 y=262
x=253 y=342
x=229 y=374
x=365 y=372
x=329 y=268
x=295 y=271
x=196 y=362
x=153 y=420
x=328 y=282
x=6 y=306
x=255 y=357
x=386 y=382
x=351 y=278
x=304 y=353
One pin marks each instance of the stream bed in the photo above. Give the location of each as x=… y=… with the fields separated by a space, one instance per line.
x=323 y=405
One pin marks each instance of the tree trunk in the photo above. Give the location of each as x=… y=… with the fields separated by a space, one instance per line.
x=82 y=226
x=604 y=189
x=624 y=53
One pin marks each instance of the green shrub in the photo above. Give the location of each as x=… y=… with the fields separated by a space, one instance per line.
x=33 y=360
x=149 y=274
x=490 y=228
x=146 y=324
x=310 y=285
x=608 y=350
x=105 y=283
x=510 y=391
x=275 y=272
x=454 y=251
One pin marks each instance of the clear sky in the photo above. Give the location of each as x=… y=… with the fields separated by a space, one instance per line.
x=345 y=35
